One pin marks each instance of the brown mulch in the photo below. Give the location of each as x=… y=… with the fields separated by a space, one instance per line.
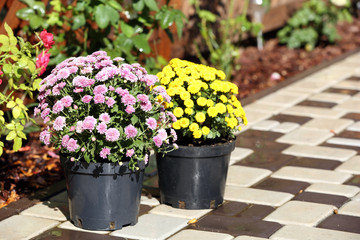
x=37 y=166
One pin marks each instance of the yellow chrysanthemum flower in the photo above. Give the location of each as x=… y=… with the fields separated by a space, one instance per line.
x=184 y=122
x=200 y=117
x=221 y=108
x=189 y=111
x=223 y=98
x=178 y=112
x=221 y=74
x=209 y=103
x=193 y=88
x=171 y=91
x=176 y=125
x=212 y=112
x=160 y=75
x=185 y=95
x=205 y=130
x=197 y=134
x=230 y=108
x=189 y=103
x=194 y=127
x=201 y=101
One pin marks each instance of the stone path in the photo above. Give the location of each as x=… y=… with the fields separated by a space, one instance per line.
x=294 y=175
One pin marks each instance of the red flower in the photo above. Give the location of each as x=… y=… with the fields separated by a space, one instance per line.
x=42 y=61
x=47 y=38
x=1 y=73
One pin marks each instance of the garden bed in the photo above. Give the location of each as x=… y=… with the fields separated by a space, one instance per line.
x=37 y=166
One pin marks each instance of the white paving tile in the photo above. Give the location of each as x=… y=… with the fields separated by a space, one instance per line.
x=356 y=96
x=254 y=116
x=152 y=226
x=180 y=213
x=264 y=107
x=329 y=153
x=149 y=201
x=314 y=112
x=351 y=105
x=348 y=84
x=239 y=153
x=285 y=127
x=245 y=176
x=355 y=127
x=351 y=208
x=293 y=232
x=256 y=196
x=265 y=125
x=334 y=189
x=350 y=166
x=305 y=136
x=19 y=227
x=283 y=99
x=356 y=198
x=311 y=175
x=200 y=235
x=311 y=85
x=300 y=213
x=332 y=125
x=46 y=210
x=69 y=226
x=344 y=141
x=329 y=97
x=249 y=238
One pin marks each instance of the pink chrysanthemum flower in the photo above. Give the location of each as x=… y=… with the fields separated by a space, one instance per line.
x=45 y=112
x=65 y=140
x=63 y=74
x=104 y=117
x=128 y=99
x=162 y=134
x=67 y=101
x=157 y=140
x=59 y=123
x=112 y=134
x=79 y=128
x=150 y=80
x=101 y=76
x=129 y=109
x=151 y=123
x=172 y=116
x=100 y=89
x=99 y=98
x=72 y=145
x=78 y=90
x=111 y=88
x=173 y=133
x=143 y=98
x=81 y=81
x=58 y=107
x=101 y=128
x=110 y=102
x=104 y=152
x=146 y=158
x=131 y=131
x=73 y=69
x=130 y=152
x=146 y=106
x=122 y=92
x=89 y=123
x=86 y=98
x=86 y=70
x=45 y=136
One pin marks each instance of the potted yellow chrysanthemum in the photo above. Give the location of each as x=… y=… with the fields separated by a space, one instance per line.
x=208 y=115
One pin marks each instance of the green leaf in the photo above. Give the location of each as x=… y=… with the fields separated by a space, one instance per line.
x=17 y=144
x=10 y=126
x=4 y=39
x=112 y=14
x=134 y=119
x=35 y=21
x=16 y=111
x=166 y=19
x=11 y=104
x=1 y=150
x=139 y=5
x=36 y=84
x=101 y=18
x=207 y=15
x=40 y=7
x=141 y=43
x=8 y=30
x=21 y=134
x=79 y=21
x=30 y=3
x=11 y=135
x=127 y=29
x=23 y=61
x=7 y=68
x=151 y=4
x=114 y=4
x=179 y=16
x=25 y=13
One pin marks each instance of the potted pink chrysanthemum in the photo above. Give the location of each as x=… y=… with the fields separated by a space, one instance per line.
x=105 y=116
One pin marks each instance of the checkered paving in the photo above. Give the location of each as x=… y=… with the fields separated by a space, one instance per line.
x=295 y=174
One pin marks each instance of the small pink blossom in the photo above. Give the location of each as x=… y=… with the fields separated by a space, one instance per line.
x=131 y=131
x=45 y=112
x=67 y=101
x=63 y=74
x=151 y=80
x=143 y=98
x=86 y=70
x=146 y=106
x=59 y=123
x=75 y=107
x=65 y=140
x=104 y=117
x=72 y=128
x=122 y=92
x=100 y=89
x=157 y=140
x=151 y=123
x=111 y=88
x=130 y=152
x=101 y=128
x=110 y=102
x=86 y=98
x=128 y=100
x=72 y=145
x=79 y=128
x=89 y=123
x=130 y=109
x=83 y=149
x=112 y=134
x=45 y=136
x=78 y=90
x=146 y=158
x=162 y=134
x=99 y=98
x=104 y=152
x=173 y=133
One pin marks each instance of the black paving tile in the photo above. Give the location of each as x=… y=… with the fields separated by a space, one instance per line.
x=281 y=185
x=260 y=135
x=355 y=181
x=230 y=209
x=353 y=116
x=342 y=91
x=334 y=200
x=341 y=146
x=263 y=159
x=6 y=212
x=290 y=118
x=314 y=163
x=144 y=209
x=353 y=78
x=341 y=223
x=349 y=134
x=260 y=145
x=310 y=103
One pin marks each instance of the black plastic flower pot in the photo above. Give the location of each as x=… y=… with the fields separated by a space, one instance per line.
x=102 y=196
x=194 y=177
